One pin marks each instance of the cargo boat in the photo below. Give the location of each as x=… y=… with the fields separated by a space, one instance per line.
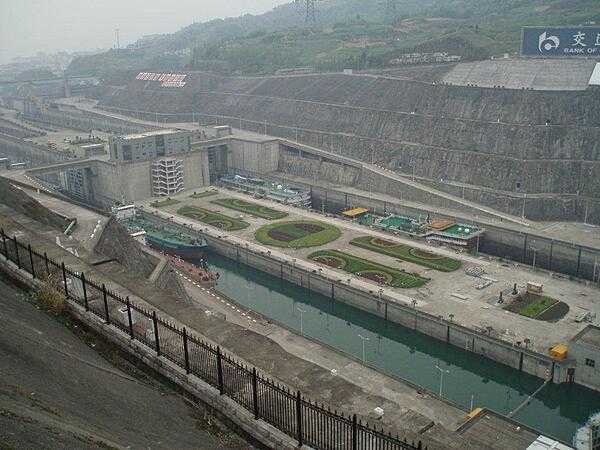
x=182 y=246
x=166 y=238
x=199 y=274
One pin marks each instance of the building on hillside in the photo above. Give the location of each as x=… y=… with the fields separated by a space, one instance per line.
x=148 y=145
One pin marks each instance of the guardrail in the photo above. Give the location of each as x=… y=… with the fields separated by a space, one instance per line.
x=310 y=423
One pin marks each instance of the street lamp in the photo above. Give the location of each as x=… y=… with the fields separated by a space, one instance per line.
x=301 y=311
x=414 y=305
x=442 y=372
x=363 y=347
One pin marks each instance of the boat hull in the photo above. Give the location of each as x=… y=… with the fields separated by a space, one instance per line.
x=181 y=250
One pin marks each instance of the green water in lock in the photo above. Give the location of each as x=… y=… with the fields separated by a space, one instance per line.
x=557 y=410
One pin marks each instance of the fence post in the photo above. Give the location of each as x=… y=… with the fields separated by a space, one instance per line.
x=17 y=257
x=155 y=324
x=185 y=351
x=31 y=260
x=4 y=243
x=105 y=298
x=255 y=393
x=46 y=263
x=354 y=433
x=220 y=371
x=64 y=273
x=129 y=319
x=299 y=418
x=85 y=297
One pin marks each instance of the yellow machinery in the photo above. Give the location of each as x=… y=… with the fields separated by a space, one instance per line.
x=559 y=352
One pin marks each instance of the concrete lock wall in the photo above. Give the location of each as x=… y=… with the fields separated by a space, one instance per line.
x=18 y=150
x=255 y=157
x=469 y=340
x=86 y=121
x=128 y=182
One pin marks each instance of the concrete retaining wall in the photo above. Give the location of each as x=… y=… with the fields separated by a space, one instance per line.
x=18 y=150
x=86 y=121
x=519 y=358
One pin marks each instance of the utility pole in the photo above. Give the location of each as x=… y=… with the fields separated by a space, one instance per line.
x=118 y=41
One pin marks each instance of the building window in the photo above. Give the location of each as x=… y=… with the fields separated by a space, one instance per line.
x=590 y=362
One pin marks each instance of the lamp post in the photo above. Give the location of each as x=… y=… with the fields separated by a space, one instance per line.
x=414 y=305
x=534 y=250
x=442 y=372
x=363 y=347
x=301 y=311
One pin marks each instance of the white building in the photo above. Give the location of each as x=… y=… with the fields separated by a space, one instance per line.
x=167 y=177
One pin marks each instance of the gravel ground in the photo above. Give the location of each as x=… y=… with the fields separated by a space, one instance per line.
x=61 y=387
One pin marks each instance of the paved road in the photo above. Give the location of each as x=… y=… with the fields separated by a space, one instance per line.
x=56 y=391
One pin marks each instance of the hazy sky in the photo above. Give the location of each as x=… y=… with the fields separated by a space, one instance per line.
x=29 y=26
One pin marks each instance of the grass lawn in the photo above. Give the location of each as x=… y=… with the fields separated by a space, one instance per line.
x=164 y=203
x=213 y=218
x=407 y=253
x=254 y=209
x=203 y=194
x=368 y=269
x=531 y=305
x=297 y=234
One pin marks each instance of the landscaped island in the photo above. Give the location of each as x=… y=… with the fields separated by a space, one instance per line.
x=539 y=307
x=407 y=253
x=368 y=269
x=297 y=234
x=213 y=218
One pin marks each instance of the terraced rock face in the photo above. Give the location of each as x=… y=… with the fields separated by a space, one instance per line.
x=115 y=242
x=490 y=138
x=21 y=202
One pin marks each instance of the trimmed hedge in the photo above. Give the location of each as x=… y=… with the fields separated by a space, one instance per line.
x=164 y=203
x=213 y=218
x=254 y=209
x=203 y=194
x=356 y=265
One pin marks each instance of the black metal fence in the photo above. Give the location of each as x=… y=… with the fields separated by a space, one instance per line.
x=306 y=421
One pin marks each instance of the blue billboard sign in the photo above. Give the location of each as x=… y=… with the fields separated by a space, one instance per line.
x=561 y=41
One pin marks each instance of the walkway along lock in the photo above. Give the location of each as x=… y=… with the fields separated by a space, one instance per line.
x=310 y=424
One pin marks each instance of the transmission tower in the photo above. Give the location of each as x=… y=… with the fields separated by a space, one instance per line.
x=308 y=7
